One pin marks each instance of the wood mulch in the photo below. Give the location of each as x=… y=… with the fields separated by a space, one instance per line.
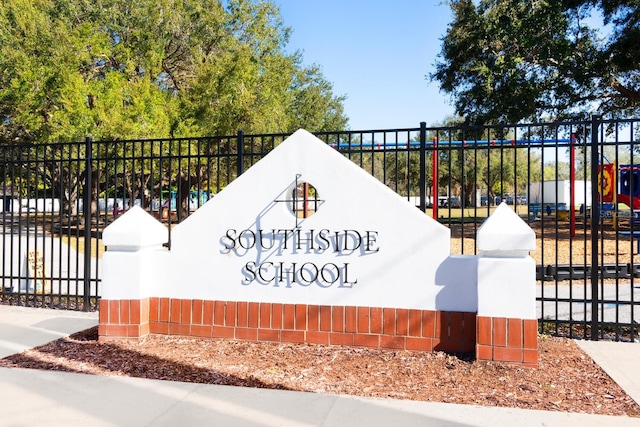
x=567 y=379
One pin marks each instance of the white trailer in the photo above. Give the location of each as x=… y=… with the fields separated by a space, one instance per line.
x=559 y=192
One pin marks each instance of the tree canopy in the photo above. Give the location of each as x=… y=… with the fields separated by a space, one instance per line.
x=120 y=69
x=514 y=60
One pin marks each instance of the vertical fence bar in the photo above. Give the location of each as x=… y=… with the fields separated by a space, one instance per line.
x=240 y=152
x=86 y=204
x=595 y=221
x=423 y=166
x=572 y=187
x=436 y=192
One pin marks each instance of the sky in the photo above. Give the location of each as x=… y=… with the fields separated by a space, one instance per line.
x=378 y=53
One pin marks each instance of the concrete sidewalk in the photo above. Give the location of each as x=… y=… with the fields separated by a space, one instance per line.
x=620 y=360
x=31 y=397
x=22 y=328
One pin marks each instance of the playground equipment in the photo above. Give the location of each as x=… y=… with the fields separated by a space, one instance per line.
x=619 y=186
x=629 y=192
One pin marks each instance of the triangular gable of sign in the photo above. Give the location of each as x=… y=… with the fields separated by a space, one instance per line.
x=362 y=244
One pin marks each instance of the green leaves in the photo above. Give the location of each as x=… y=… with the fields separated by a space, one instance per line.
x=512 y=60
x=118 y=69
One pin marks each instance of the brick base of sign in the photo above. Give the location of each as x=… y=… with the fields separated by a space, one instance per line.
x=507 y=340
x=404 y=329
x=124 y=318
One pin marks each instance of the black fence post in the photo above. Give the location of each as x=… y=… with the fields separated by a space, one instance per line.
x=595 y=224
x=422 y=183
x=240 y=152
x=86 y=211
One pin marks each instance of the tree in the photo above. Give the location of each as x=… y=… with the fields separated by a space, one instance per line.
x=120 y=69
x=514 y=60
x=313 y=104
x=468 y=162
x=117 y=69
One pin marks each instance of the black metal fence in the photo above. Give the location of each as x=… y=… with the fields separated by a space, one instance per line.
x=57 y=199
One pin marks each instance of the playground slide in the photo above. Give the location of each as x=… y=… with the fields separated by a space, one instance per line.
x=632 y=202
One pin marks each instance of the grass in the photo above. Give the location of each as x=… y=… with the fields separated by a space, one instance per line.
x=472 y=214
x=78 y=243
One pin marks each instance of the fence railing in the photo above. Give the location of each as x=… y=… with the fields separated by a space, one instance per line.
x=574 y=182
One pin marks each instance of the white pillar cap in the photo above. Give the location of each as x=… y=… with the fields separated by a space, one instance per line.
x=504 y=233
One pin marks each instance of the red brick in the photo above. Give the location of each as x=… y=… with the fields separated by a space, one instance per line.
x=447 y=345
x=389 y=321
x=247 y=334
x=144 y=329
x=337 y=319
x=242 y=314
x=442 y=324
x=514 y=333
x=301 y=317
x=469 y=332
x=223 y=332
x=117 y=330
x=230 y=310
x=144 y=310
x=154 y=309
x=289 y=319
x=485 y=330
x=185 y=311
x=219 y=308
x=362 y=315
x=102 y=330
x=125 y=313
x=350 y=319
x=325 y=318
x=390 y=341
x=530 y=334
x=133 y=331
x=375 y=320
x=205 y=331
x=265 y=315
x=419 y=344
x=366 y=340
x=499 y=332
x=197 y=311
x=530 y=356
x=114 y=312
x=276 y=316
x=207 y=313
x=313 y=318
x=467 y=346
x=160 y=328
x=402 y=321
x=415 y=323
x=505 y=354
x=484 y=352
x=318 y=338
x=104 y=311
x=183 y=329
x=254 y=314
x=164 y=309
x=292 y=336
x=428 y=323
x=174 y=311
x=268 y=335
x=134 y=311
x=455 y=325
x=337 y=338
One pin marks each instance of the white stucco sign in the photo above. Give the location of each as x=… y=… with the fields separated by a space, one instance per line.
x=307 y=225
